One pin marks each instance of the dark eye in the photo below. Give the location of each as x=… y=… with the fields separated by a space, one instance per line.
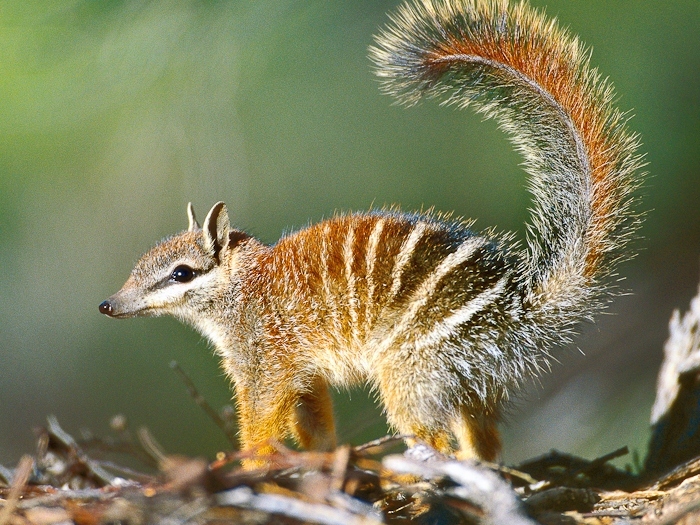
x=182 y=274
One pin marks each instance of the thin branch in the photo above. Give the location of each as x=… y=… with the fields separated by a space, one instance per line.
x=67 y=441
x=151 y=446
x=19 y=480
x=379 y=443
x=203 y=403
x=244 y=497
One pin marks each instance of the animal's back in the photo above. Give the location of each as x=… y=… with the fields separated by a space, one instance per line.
x=356 y=292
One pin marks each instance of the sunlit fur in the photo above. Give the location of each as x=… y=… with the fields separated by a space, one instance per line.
x=440 y=321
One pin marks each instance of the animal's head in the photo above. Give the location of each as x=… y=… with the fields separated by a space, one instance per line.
x=183 y=274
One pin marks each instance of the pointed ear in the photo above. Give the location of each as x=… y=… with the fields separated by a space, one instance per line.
x=194 y=225
x=216 y=229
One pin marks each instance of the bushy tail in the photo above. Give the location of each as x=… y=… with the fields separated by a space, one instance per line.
x=510 y=63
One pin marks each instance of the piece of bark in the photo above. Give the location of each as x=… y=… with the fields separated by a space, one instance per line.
x=485 y=495
x=675 y=417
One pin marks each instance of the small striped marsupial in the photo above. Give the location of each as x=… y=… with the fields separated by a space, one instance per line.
x=440 y=320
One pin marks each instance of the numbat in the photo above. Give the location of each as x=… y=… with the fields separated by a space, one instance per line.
x=441 y=321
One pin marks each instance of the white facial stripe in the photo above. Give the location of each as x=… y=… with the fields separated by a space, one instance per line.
x=172 y=293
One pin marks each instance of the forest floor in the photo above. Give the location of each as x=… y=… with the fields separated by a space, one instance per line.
x=374 y=483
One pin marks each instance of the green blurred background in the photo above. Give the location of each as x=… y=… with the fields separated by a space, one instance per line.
x=115 y=114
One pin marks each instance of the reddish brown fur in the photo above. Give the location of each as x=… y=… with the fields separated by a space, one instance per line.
x=308 y=296
x=550 y=65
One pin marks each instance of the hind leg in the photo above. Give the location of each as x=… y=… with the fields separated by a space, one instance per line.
x=312 y=422
x=413 y=407
x=477 y=434
x=436 y=438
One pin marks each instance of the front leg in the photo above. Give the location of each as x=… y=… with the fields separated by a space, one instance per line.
x=264 y=414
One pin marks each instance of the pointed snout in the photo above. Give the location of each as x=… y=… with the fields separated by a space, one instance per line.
x=106 y=308
x=123 y=304
x=113 y=307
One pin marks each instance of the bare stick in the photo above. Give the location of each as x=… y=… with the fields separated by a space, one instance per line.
x=202 y=402
x=57 y=498
x=67 y=440
x=341 y=458
x=19 y=480
x=476 y=486
x=244 y=497
x=151 y=446
x=126 y=471
x=524 y=476
x=379 y=442
x=602 y=460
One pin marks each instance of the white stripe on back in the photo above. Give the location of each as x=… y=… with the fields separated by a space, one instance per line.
x=370 y=259
x=348 y=257
x=446 y=328
x=404 y=256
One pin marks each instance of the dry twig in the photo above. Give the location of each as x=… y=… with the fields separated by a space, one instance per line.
x=201 y=402
x=19 y=480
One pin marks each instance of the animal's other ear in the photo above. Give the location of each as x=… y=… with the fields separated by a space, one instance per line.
x=216 y=229
x=194 y=225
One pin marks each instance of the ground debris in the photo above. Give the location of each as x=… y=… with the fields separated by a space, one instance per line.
x=365 y=485
x=69 y=482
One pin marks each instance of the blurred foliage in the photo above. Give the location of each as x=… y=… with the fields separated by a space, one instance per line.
x=115 y=114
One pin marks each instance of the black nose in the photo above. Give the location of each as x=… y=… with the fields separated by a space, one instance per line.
x=106 y=308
